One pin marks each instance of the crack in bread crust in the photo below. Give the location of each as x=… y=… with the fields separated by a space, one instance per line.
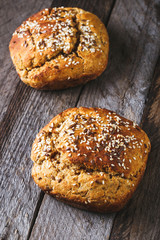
x=60 y=53
x=63 y=159
x=49 y=38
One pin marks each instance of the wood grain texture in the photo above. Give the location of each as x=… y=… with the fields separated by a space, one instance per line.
x=12 y=13
x=64 y=222
x=141 y=218
x=122 y=87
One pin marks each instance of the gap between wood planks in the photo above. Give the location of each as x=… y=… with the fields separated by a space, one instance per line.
x=41 y=195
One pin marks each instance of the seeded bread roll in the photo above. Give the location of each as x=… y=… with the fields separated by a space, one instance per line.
x=59 y=48
x=90 y=158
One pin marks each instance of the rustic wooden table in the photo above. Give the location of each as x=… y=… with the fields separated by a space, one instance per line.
x=129 y=86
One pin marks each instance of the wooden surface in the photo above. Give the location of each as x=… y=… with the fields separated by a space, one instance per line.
x=25 y=212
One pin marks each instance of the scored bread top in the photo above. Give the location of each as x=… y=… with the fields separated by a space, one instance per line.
x=56 y=39
x=102 y=146
x=97 y=139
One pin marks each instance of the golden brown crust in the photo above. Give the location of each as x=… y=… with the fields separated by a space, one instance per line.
x=90 y=158
x=59 y=48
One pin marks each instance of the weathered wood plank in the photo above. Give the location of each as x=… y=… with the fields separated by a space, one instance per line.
x=140 y=220
x=123 y=87
x=24 y=112
x=64 y=222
